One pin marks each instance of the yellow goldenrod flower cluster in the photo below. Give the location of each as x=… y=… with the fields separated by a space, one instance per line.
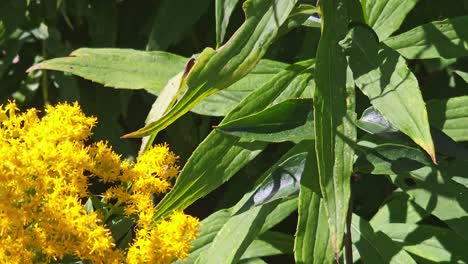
x=44 y=176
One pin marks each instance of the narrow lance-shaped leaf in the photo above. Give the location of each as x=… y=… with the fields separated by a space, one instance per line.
x=287 y=121
x=224 y=10
x=334 y=115
x=312 y=242
x=279 y=182
x=447 y=39
x=220 y=156
x=221 y=103
x=215 y=70
x=119 y=68
x=236 y=235
x=382 y=75
x=164 y=101
x=386 y=16
x=282 y=177
x=211 y=225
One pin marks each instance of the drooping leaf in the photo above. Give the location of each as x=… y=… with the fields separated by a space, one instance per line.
x=334 y=118
x=222 y=102
x=447 y=39
x=220 y=156
x=287 y=121
x=312 y=242
x=386 y=16
x=382 y=75
x=215 y=70
x=428 y=244
x=174 y=18
x=119 y=68
x=451 y=116
x=431 y=188
x=224 y=9
x=375 y=246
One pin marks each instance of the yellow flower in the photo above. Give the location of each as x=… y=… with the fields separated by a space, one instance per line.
x=169 y=240
x=44 y=177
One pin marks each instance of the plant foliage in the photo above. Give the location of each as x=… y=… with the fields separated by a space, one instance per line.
x=328 y=133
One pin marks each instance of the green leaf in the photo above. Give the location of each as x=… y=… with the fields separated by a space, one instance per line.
x=386 y=16
x=281 y=180
x=301 y=15
x=312 y=243
x=382 y=75
x=120 y=226
x=224 y=9
x=375 y=246
x=450 y=116
x=119 y=68
x=447 y=39
x=398 y=209
x=290 y=120
x=220 y=156
x=334 y=118
x=463 y=75
x=240 y=230
x=222 y=102
x=431 y=188
x=215 y=70
x=373 y=122
x=270 y=243
x=429 y=244
x=164 y=101
x=276 y=183
x=211 y=225
x=174 y=18
x=236 y=235
x=258 y=210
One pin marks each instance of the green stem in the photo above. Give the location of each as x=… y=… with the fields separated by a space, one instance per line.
x=45 y=82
